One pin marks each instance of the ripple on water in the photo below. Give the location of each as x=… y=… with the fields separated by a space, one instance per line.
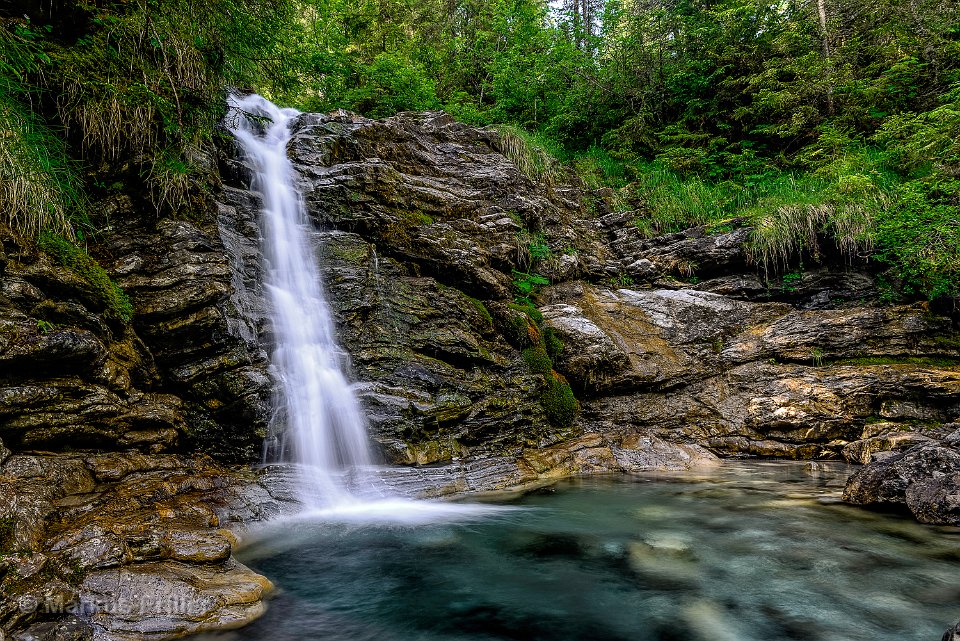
x=746 y=553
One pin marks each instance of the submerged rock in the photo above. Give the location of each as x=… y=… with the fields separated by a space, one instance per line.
x=953 y=634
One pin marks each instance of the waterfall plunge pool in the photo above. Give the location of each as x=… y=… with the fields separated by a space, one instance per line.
x=751 y=551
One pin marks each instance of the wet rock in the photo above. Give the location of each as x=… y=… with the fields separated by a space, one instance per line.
x=887 y=481
x=199 y=311
x=864 y=450
x=953 y=634
x=137 y=539
x=935 y=500
x=171 y=600
x=590 y=356
x=435 y=380
x=70 y=629
x=434 y=193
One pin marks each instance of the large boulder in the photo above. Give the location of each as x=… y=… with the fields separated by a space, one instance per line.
x=925 y=478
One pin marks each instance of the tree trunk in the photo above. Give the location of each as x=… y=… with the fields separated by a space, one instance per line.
x=825 y=30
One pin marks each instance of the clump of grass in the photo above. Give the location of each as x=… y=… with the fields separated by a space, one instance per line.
x=39 y=186
x=115 y=301
x=533 y=154
x=789 y=211
x=598 y=169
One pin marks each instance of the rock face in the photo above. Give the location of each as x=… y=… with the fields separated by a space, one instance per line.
x=129 y=545
x=925 y=478
x=425 y=213
x=676 y=347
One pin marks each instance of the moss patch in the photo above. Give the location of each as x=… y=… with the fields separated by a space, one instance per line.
x=539 y=347
x=538 y=360
x=114 y=300
x=485 y=317
x=558 y=400
x=552 y=342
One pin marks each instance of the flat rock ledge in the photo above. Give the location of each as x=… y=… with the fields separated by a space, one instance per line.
x=128 y=546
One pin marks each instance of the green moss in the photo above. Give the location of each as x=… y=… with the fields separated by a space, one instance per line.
x=552 y=343
x=115 y=301
x=420 y=218
x=397 y=232
x=538 y=360
x=528 y=309
x=485 y=317
x=559 y=403
x=949 y=342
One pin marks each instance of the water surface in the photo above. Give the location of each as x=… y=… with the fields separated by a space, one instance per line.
x=752 y=551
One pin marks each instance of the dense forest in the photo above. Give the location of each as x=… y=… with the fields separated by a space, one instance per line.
x=829 y=126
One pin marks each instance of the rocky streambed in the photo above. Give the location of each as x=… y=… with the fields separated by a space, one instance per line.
x=124 y=468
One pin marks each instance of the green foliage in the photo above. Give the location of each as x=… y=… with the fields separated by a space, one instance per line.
x=391 y=84
x=919 y=237
x=538 y=248
x=817 y=356
x=839 y=135
x=114 y=300
x=131 y=88
x=559 y=403
x=527 y=284
x=39 y=187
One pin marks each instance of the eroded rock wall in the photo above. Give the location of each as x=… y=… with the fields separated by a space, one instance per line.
x=678 y=336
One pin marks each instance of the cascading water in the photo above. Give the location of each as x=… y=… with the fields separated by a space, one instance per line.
x=319 y=416
x=316 y=404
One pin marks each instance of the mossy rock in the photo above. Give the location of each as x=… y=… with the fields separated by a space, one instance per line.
x=559 y=404
x=114 y=299
x=552 y=342
x=486 y=320
x=538 y=360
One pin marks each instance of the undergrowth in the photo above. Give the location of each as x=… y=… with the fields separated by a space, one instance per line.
x=39 y=186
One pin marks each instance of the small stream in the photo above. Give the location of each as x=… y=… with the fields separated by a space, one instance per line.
x=752 y=551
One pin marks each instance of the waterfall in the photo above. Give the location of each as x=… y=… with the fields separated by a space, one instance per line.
x=322 y=420
x=318 y=417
